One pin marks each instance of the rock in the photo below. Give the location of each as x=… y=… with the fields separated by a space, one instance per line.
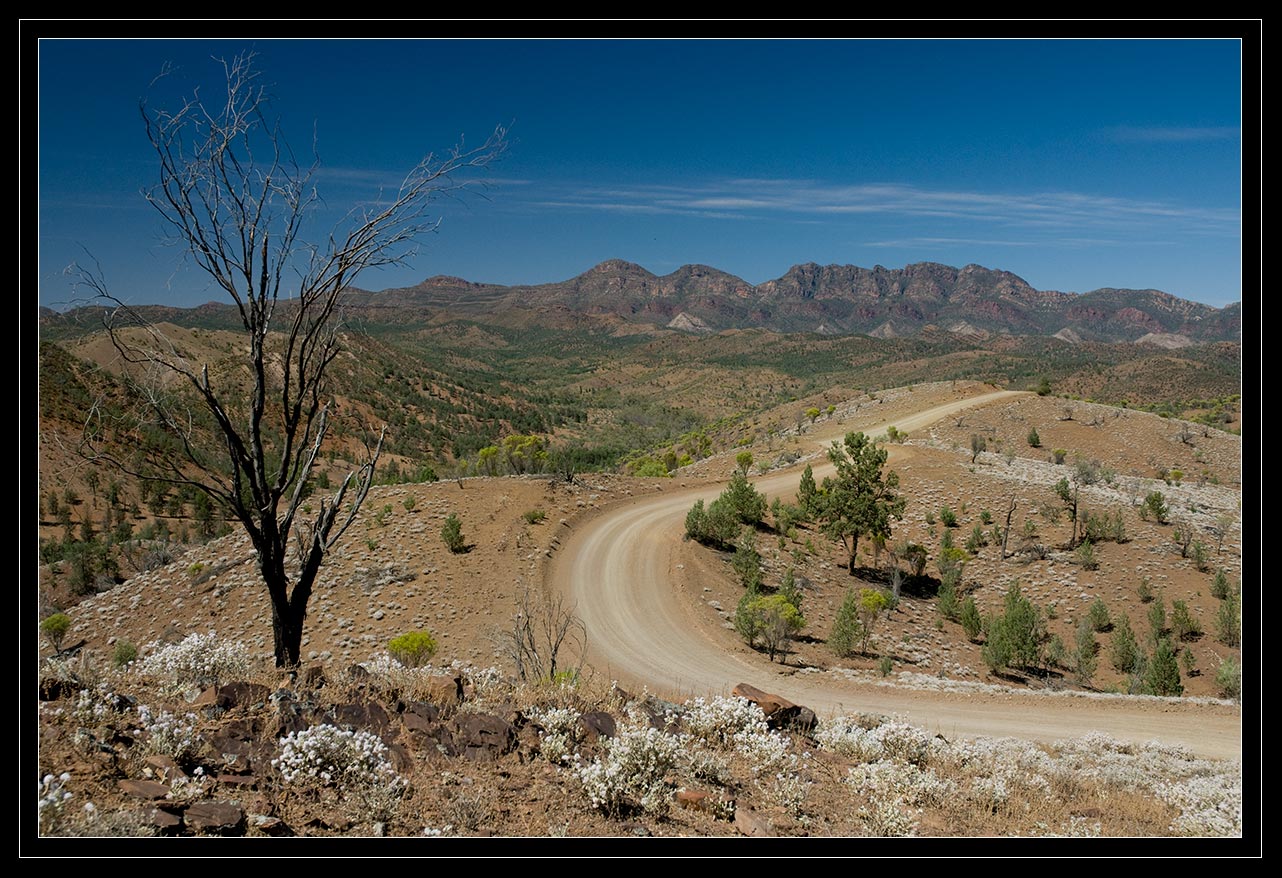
x=215 y=818
x=420 y=716
x=367 y=715
x=780 y=712
x=752 y=824
x=242 y=695
x=482 y=737
x=311 y=677
x=144 y=789
x=597 y=724
x=696 y=800
x=445 y=689
x=163 y=821
x=400 y=758
x=269 y=825
x=164 y=766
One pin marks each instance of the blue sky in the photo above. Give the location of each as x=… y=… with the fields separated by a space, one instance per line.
x=1076 y=164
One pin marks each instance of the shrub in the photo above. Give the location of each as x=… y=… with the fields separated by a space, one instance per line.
x=327 y=756
x=746 y=561
x=200 y=660
x=55 y=629
x=847 y=630
x=1086 y=556
x=169 y=735
x=1155 y=507
x=632 y=771
x=977 y=539
x=1157 y=621
x=746 y=502
x=1098 y=616
x=409 y=503
x=971 y=622
x=774 y=620
x=947 y=516
x=534 y=516
x=1228 y=678
x=1034 y=441
x=1125 y=651
x=452 y=534
x=885 y=666
x=413 y=649
x=1059 y=454
x=1163 y=676
x=1184 y=624
x=1228 y=621
x=123 y=653
x=978 y=445
x=1220 y=585
x=1145 y=590
x=1084 y=660
x=985 y=517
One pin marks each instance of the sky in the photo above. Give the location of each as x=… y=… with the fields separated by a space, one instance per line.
x=1076 y=164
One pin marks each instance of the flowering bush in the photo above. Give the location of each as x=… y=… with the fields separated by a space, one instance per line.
x=888 y=818
x=560 y=732
x=329 y=756
x=53 y=800
x=200 y=660
x=632 y=770
x=903 y=781
x=168 y=735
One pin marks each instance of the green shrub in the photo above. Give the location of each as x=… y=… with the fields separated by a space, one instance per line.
x=55 y=629
x=123 y=653
x=1125 y=651
x=1098 y=616
x=1220 y=585
x=1034 y=441
x=1084 y=659
x=413 y=649
x=971 y=622
x=885 y=666
x=534 y=516
x=408 y=503
x=1228 y=621
x=452 y=534
x=1086 y=556
x=1155 y=507
x=1145 y=590
x=947 y=517
x=847 y=630
x=1059 y=454
x=1228 y=678
x=1184 y=624
x=977 y=540
x=985 y=517
x=1163 y=676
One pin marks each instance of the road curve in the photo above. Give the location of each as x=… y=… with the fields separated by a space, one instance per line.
x=616 y=569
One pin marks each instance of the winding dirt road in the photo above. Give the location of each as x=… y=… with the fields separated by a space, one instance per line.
x=617 y=569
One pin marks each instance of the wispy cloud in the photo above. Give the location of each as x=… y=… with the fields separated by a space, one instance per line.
x=810 y=200
x=1171 y=135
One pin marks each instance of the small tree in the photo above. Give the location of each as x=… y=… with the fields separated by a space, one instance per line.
x=808 y=493
x=978 y=445
x=747 y=561
x=743 y=460
x=813 y=414
x=1157 y=621
x=747 y=503
x=55 y=629
x=971 y=622
x=239 y=203
x=452 y=534
x=859 y=499
x=1098 y=616
x=1034 y=440
x=1228 y=678
x=1125 y=651
x=1155 y=507
x=1163 y=671
x=847 y=630
x=1228 y=620
x=1084 y=659
x=1184 y=625
x=872 y=603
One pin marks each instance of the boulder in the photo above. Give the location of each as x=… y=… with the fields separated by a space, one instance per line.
x=752 y=824
x=311 y=677
x=780 y=712
x=367 y=715
x=483 y=737
x=242 y=695
x=162 y=821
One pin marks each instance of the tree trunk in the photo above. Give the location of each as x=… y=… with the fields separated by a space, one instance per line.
x=854 y=545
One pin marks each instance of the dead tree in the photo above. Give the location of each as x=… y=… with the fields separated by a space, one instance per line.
x=247 y=432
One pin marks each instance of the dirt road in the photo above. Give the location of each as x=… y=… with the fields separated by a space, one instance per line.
x=617 y=568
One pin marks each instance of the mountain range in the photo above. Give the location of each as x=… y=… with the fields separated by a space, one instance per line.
x=882 y=302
